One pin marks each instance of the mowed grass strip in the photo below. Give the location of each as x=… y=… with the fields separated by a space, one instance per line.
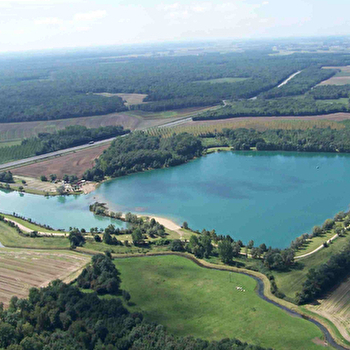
x=190 y=300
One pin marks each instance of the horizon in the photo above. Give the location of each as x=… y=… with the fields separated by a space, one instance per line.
x=35 y=25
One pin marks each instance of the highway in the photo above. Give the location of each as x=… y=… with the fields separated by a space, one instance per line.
x=78 y=148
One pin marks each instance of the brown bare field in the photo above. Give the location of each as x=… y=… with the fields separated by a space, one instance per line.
x=257 y=123
x=341 y=78
x=70 y=164
x=336 y=307
x=22 y=269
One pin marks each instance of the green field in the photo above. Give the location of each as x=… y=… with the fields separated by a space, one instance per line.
x=9 y=237
x=190 y=300
x=291 y=282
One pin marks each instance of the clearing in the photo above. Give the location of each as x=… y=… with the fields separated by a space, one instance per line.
x=336 y=307
x=130 y=99
x=341 y=78
x=22 y=269
x=190 y=300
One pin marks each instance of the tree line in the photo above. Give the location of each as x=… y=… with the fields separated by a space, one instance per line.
x=310 y=140
x=283 y=106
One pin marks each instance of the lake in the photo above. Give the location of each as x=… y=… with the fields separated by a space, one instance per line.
x=270 y=197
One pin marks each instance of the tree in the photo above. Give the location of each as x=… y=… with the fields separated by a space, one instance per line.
x=137 y=236
x=185 y=225
x=317 y=231
x=43 y=178
x=53 y=177
x=76 y=238
x=61 y=190
x=176 y=246
x=225 y=251
x=250 y=244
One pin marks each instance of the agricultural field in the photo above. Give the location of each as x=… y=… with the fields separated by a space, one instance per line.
x=190 y=300
x=22 y=269
x=336 y=307
x=71 y=164
x=257 y=123
x=9 y=143
x=341 y=78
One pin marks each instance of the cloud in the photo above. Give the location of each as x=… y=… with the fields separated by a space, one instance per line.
x=90 y=16
x=49 y=21
x=79 y=22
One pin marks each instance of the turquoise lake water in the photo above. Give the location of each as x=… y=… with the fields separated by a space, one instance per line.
x=270 y=197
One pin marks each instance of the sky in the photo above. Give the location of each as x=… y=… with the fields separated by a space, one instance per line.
x=47 y=24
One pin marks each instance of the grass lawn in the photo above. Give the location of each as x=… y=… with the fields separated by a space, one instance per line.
x=9 y=237
x=190 y=300
x=291 y=282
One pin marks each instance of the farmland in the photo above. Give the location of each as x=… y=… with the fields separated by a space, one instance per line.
x=257 y=123
x=72 y=164
x=190 y=300
x=341 y=78
x=22 y=269
x=336 y=307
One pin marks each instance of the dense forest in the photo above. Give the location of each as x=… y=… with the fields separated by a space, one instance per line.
x=324 y=277
x=139 y=151
x=44 y=88
x=62 y=316
x=71 y=136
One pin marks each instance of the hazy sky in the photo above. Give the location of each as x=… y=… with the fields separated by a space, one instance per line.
x=40 y=24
